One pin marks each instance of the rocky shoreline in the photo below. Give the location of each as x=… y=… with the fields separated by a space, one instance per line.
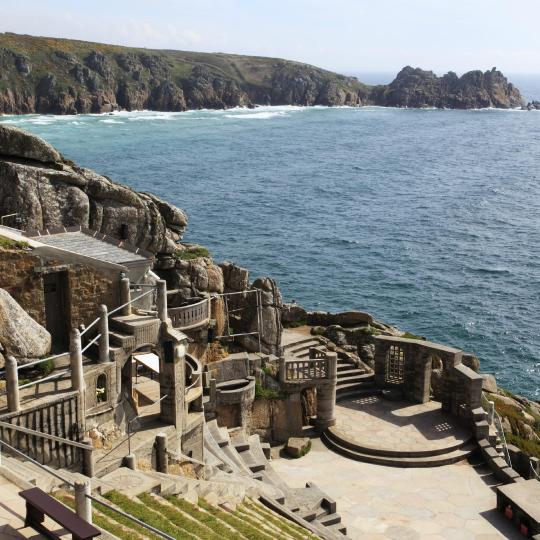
x=59 y=76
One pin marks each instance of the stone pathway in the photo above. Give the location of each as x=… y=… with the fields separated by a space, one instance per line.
x=454 y=502
x=373 y=422
x=12 y=512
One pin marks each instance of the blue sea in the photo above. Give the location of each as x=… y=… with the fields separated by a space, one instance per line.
x=428 y=219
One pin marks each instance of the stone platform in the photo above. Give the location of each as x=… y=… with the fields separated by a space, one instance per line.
x=394 y=433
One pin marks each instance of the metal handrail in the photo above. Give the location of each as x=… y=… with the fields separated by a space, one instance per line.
x=36 y=362
x=28 y=431
x=537 y=476
x=91 y=497
x=49 y=378
x=130 y=302
x=89 y=326
x=90 y=343
x=498 y=425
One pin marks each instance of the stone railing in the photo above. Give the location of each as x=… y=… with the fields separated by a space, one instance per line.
x=190 y=316
x=320 y=366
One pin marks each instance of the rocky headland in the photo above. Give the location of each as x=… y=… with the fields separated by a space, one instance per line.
x=59 y=76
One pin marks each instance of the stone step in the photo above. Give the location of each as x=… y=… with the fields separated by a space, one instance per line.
x=350 y=379
x=252 y=463
x=343 y=388
x=340 y=439
x=299 y=342
x=329 y=519
x=350 y=371
x=338 y=528
x=123 y=340
x=404 y=462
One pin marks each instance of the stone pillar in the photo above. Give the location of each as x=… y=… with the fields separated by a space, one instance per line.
x=381 y=350
x=162 y=460
x=491 y=412
x=282 y=369
x=83 y=504
x=103 y=326
x=77 y=373
x=130 y=461
x=326 y=396
x=12 y=385
x=171 y=378
x=88 y=459
x=125 y=296
x=162 y=300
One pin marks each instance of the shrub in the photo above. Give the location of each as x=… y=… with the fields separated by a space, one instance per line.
x=531 y=448
x=8 y=243
x=192 y=252
x=45 y=368
x=267 y=393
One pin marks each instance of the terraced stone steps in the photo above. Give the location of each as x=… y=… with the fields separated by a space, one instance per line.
x=404 y=461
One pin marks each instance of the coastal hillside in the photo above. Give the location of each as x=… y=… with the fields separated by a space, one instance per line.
x=60 y=76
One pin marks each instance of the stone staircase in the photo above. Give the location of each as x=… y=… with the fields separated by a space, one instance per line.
x=248 y=456
x=453 y=453
x=127 y=332
x=352 y=379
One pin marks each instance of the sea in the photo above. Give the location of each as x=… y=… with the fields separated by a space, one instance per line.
x=428 y=219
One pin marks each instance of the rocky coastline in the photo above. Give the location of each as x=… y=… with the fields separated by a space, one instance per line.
x=58 y=76
x=49 y=192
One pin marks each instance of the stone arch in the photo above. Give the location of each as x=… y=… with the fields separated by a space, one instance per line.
x=395 y=365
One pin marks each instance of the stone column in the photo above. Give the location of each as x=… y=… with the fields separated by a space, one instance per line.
x=282 y=369
x=77 y=373
x=125 y=296
x=12 y=385
x=326 y=395
x=103 y=326
x=88 y=459
x=381 y=349
x=171 y=378
x=491 y=412
x=83 y=505
x=162 y=461
x=162 y=300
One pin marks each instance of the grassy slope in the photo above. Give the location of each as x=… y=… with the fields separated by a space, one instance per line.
x=245 y=70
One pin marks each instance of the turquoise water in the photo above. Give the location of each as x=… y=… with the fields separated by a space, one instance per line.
x=428 y=219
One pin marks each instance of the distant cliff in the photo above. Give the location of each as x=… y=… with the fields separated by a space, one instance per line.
x=59 y=76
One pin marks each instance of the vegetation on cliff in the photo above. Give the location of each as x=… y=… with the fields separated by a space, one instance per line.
x=60 y=76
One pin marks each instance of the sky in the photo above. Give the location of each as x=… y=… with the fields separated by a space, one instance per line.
x=349 y=36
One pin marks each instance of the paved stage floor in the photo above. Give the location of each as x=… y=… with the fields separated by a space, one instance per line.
x=453 y=502
x=374 y=422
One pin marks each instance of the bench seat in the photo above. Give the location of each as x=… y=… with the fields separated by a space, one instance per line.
x=40 y=504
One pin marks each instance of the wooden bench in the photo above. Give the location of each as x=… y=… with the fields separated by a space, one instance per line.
x=39 y=504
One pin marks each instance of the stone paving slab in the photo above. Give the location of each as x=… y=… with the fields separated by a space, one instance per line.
x=453 y=502
x=375 y=422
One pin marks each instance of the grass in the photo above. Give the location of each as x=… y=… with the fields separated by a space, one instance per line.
x=267 y=393
x=192 y=252
x=8 y=243
x=290 y=527
x=144 y=513
x=205 y=518
x=244 y=528
x=369 y=330
x=409 y=335
x=531 y=448
x=101 y=521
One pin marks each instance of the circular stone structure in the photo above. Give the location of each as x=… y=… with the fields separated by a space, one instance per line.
x=397 y=433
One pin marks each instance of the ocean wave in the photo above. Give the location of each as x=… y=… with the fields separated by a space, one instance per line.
x=257 y=115
x=490 y=270
x=111 y=121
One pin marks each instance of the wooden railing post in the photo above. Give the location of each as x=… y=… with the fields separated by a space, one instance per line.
x=125 y=296
x=12 y=385
x=104 y=331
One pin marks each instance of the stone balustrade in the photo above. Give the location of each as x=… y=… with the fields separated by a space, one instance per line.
x=191 y=315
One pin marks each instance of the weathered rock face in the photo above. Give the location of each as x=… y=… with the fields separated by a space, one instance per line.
x=246 y=315
x=20 y=335
x=49 y=191
x=414 y=87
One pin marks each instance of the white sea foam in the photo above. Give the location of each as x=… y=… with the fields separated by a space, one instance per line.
x=256 y=115
x=111 y=121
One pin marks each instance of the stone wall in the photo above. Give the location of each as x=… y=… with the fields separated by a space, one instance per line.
x=21 y=274
x=276 y=420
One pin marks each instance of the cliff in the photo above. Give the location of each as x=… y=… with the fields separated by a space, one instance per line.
x=48 y=191
x=59 y=76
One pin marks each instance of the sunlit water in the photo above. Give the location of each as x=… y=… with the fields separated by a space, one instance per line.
x=428 y=219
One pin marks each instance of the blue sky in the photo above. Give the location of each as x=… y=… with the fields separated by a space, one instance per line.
x=342 y=35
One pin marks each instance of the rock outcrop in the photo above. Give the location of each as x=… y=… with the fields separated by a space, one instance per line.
x=70 y=77
x=414 y=87
x=20 y=335
x=48 y=191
